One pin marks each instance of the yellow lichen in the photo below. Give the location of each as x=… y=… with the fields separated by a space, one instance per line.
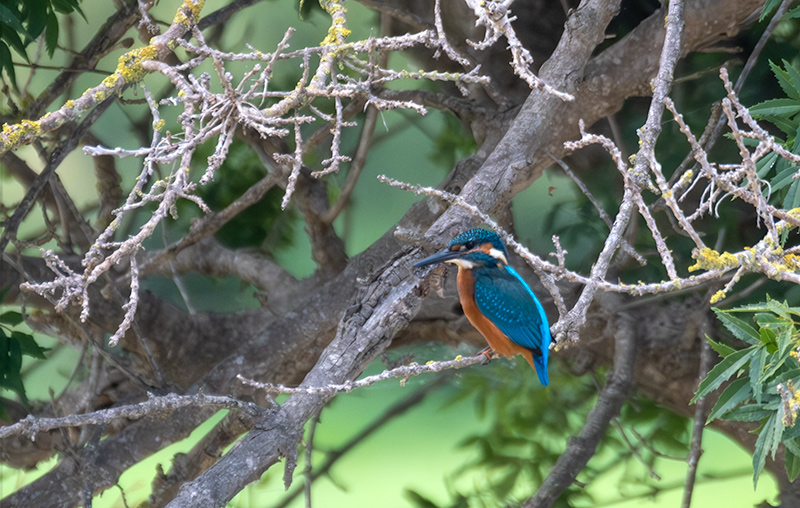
x=719 y=295
x=111 y=81
x=157 y=126
x=709 y=259
x=791 y=401
x=130 y=66
x=792 y=262
x=336 y=34
x=13 y=133
x=193 y=7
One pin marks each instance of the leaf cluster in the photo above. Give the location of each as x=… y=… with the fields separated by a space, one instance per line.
x=13 y=345
x=759 y=379
x=784 y=113
x=23 y=21
x=261 y=223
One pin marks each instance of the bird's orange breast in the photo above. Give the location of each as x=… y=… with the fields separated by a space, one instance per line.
x=497 y=340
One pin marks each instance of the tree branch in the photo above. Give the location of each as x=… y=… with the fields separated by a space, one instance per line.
x=581 y=447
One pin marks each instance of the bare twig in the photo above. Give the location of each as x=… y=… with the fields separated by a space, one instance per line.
x=404 y=372
x=696 y=449
x=392 y=412
x=32 y=425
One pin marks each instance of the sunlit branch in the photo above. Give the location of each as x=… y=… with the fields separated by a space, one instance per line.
x=404 y=372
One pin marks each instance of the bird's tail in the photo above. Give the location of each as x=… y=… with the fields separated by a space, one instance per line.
x=540 y=362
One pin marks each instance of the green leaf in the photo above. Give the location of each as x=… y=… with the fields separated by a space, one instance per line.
x=37 y=15
x=13 y=40
x=775 y=107
x=757 y=363
x=765 y=164
x=11 y=318
x=28 y=345
x=67 y=6
x=10 y=366
x=787 y=125
x=783 y=377
x=739 y=328
x=785 y=335
x=784 y=178
x=790 y=434
x=794 y=77
x=769 y=6
x=765 y=439
x=736 y=393
x=792 y=460
x=722 y=349
x=723 y=371
x=784 y=81
x=777 y=432
x=792 y=199
x=748 y=413
x=51 y=35
x=10 y=19
x=780 y=308
x=768 y=338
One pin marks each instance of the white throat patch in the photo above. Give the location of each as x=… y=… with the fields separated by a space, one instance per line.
x=462 y=263
x=498 y=255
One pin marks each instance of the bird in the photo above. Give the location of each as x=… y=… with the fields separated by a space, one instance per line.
x=496 y=300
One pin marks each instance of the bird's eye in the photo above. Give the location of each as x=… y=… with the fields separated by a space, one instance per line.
x=469 y=245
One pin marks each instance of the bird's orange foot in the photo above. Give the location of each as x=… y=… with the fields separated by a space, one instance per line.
x=487 y=352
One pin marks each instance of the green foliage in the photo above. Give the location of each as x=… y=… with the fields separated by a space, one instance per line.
x=258 y=225
x=784 y=113
x=22 y=21
x=579 y=229
x=760 y=379
x=452 y=143
x=771 y=5
x=13 y=345
x=529 y=428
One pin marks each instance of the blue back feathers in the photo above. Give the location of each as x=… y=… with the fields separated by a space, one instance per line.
x=508 y=302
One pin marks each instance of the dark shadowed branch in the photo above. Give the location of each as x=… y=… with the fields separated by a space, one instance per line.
x=581 y=448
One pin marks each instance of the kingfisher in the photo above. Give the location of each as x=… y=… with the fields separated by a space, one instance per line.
x=496 y=300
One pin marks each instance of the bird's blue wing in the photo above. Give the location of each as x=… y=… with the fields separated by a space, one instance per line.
x=508 y=302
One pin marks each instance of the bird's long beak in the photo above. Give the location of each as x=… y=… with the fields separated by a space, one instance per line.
x=438 y=258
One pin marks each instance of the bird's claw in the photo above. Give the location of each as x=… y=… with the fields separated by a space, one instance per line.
x=487 y=352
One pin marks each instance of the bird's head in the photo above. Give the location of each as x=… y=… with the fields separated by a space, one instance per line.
x=476 y=247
